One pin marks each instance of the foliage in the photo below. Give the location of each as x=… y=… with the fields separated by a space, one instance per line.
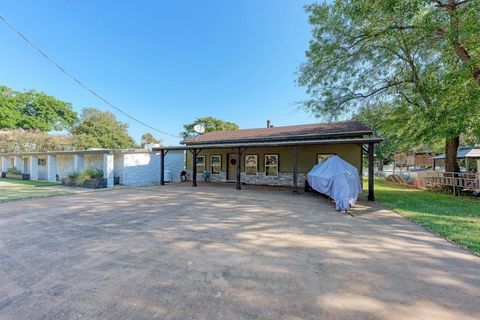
x=32 y=110
x=454 y=218
x=210 y=124
x=79 y=177
x=420 y=58
x=98 y=129
x=92 y=173
x=148 y=138
x=14 y=170
x=34 y=141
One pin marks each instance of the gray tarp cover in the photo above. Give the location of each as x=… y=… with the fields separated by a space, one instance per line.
x=337 y=179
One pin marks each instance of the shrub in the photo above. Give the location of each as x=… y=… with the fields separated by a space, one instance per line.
x=92 y=173
x=13 y=170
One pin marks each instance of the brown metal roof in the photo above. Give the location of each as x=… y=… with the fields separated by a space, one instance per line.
x=307 y=131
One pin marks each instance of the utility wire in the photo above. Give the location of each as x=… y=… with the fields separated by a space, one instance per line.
x=71 y=76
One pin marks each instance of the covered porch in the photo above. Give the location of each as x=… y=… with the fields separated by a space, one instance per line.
x=294 y=152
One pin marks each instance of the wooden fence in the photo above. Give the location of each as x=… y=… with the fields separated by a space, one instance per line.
x=457 y=180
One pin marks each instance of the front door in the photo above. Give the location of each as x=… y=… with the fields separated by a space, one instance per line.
x=232 y=167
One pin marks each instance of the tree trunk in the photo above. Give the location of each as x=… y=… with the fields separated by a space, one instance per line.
x=380 y=165
x=451 y=148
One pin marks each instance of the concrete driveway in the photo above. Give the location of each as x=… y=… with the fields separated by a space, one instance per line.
x=216 y=253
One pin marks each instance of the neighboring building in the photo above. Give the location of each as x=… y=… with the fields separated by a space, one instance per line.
x=469 y=159
x=275 y=155
x=132 y=167
x=414 y=159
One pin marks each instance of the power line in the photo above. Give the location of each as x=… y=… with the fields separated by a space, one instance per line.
x=71 y=76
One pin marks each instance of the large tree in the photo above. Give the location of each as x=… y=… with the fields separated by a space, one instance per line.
x=419 y=57
x=32 y=110
x=99 y=129
x=210 y=124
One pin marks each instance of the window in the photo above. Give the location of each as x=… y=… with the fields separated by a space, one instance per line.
x=251 y=164
x=324 y=156
x=216 y=164
x=200 y=164
x=271 y=164
x=42 y=162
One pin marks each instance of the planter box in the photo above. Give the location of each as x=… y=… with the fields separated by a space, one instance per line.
x=88 y=183
x=23 y=176
x=4 y=175
x=116 y=180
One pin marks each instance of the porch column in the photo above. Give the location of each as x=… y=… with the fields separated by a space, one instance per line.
x=18 y=163
x=239 y=175
x=478 y=167
x=108 y=169
x=295 y=169
x=52 y=168
x=371 y=192
x=78 y=163
x=5 y=163
x=194 y=169
x=162 y=166
x=33 y=167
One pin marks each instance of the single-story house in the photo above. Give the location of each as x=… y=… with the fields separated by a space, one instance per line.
x=132 y=167
x=275 y=155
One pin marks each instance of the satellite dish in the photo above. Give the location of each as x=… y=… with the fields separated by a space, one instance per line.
x=199 y=128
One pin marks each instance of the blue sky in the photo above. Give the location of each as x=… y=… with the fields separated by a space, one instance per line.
x=165 y=62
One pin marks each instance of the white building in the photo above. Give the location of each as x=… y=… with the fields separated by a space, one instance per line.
x=131 y=167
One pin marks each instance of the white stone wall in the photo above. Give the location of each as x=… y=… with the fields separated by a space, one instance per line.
x=140 y=169
x=93 y=161
x=64 y=165
x=175 y=162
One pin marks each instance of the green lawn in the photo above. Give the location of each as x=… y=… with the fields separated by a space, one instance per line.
x=454 y=218
x=11 y=189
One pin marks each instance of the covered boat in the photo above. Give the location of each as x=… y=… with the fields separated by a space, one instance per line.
x=337 y=179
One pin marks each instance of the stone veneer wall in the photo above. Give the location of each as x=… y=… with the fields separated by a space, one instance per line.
x=283 y=179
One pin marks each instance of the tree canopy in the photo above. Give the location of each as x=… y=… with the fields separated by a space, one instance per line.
x=99 y=129
x=420 y=59
x=32 y=110
x=148 y=138
x=210 y=124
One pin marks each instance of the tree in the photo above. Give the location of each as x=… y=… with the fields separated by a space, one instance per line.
x=404 y=54
x=99 y=129
x=210 y=124
x=148 y=138
x=373 y=116
x=32 y=110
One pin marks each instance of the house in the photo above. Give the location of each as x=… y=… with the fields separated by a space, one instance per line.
x=131 y=167
x=275 y=155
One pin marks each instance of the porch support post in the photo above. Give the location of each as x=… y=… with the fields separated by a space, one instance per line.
x=162 y=167
x=108 y=165
x=78 y=163
x=371 y=192
x=295 y=169
x=194 y=169
x=18 y=163
x=52 y=168
x=33 y=167
x=466 y=165
x=239 y=177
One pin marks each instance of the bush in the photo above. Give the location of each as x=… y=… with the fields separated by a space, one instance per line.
x=92 y=173
x=89 y=173
x=13 y=170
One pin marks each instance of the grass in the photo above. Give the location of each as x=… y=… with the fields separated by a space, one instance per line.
x=12 y=189
x=454 y=218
